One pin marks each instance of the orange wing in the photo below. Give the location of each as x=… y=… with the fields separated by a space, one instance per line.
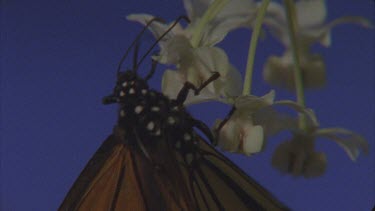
x=103 y=180
x=217 y=184
x=120 y=177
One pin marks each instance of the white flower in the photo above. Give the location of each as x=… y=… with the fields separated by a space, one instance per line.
x=279 y=71
x=255 y=118
x=310 y=14
x=235 y=14
x=195 y=57
x=299 y=158
x=206 y=60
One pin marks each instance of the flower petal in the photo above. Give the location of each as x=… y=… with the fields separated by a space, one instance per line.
x=252 y=103
x=273 y=121
x=311 y=13
x=235 y=14
x=281 y=157
x=211 y=59
x=252 y=140
x=279 y=71
x=230 y=84
x=316 y=165
x=196 y=8
x=322 y=33
x=177 y=50
x=158 y=28
x=208 y=60
x=228 y=137
x=298 y=157
x=172 y=84
x=311 y=117
x=351 y=142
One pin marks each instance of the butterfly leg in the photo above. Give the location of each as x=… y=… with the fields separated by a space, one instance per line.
x=222 y=123
x=182 y=95
x=152 y=71
x=205 y=130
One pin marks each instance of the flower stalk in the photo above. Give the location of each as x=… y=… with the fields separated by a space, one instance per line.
x=252 y=48
x=292 y=29
x=211 y=12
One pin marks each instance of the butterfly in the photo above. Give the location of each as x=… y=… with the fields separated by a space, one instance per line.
x=155 y=159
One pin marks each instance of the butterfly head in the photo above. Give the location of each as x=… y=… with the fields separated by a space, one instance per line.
x=128 y=86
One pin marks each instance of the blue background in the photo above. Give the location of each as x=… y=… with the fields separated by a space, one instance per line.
x=58 y=59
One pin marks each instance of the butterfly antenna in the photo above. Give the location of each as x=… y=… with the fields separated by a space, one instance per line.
x=135 y=55
x=161 y=37
x=136 y=40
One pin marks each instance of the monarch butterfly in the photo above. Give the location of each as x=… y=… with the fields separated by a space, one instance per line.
x=155 y=159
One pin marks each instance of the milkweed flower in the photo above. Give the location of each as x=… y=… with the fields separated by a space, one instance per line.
x=299 y=158
x=193 y=52
x=253 y=119
x=310 y=15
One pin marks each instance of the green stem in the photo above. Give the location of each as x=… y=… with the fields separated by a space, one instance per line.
x=253 y=45
x=298 y=80
x=211 y=12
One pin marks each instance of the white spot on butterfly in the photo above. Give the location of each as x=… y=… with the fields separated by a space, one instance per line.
x=144 y=91
x=122 y=93
x=171 y=120
x=125 y=84
x=150 y=126
x=187 y=136
x=131 y=91
x=138 y=109
x=155 y=108
x=158 y=132
x=122 y=113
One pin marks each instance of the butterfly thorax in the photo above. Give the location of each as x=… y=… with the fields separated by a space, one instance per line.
x=150 y=114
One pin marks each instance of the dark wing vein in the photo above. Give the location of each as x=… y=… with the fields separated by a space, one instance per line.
x=81 y=185
x=210 y=189
x=118 y=188
x=216 y=183
x=202 y=197
x=108 y=182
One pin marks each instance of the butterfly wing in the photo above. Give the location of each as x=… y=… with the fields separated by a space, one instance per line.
x=218 y=184
x=99 y=185
x=119 y=177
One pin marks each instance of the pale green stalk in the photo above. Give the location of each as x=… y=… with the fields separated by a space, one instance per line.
x=253 y=45
x=292 y=29
x=211 y=12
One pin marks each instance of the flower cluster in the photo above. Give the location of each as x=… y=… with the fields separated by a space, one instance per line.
x=193 y=51
x=279 y=70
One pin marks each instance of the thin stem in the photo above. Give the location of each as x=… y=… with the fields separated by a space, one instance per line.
x=253 y=45
x=298 y=80
x=211 y=12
